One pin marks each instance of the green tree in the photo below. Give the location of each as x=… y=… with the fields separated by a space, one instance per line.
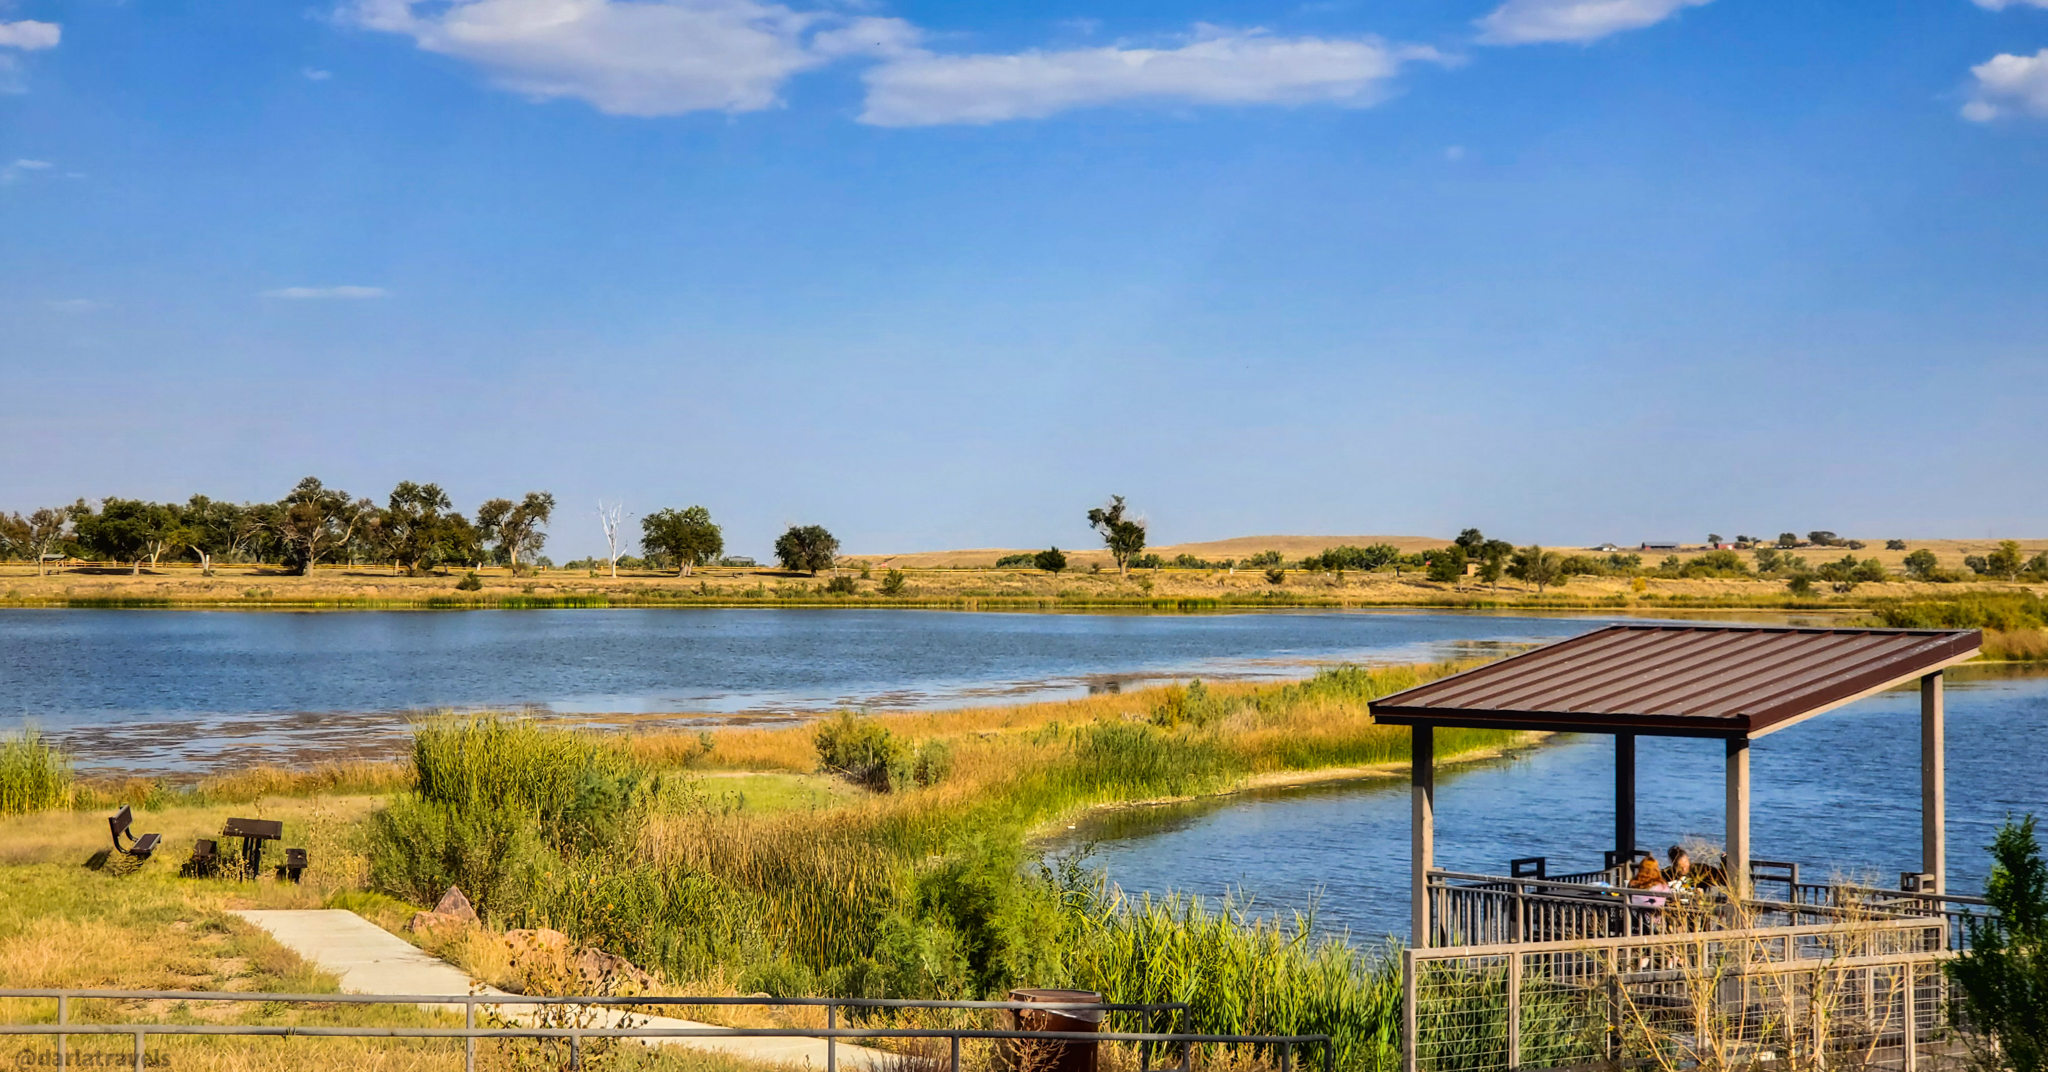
x=413 y=525
x=806 y=548
x=893 y=582
x=2006 y=562
x=1788 y=539
x=2003 y=974
x=1491 y=567
x=688 y=536
x=128 y=530
x=1124 y=537
x=45 y=529
x=208 y=528
x=1051 y=560
x=1895 y=545
x=1821 y=538
x=314 y=519
x=517 y=529
x=1470 y=541
x=1921 y=565
x=1448 y=565
x=1538 y=567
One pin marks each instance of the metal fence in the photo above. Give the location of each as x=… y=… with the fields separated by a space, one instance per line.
x=1471 y=909
x=1175 y=1043
x=1867 y=993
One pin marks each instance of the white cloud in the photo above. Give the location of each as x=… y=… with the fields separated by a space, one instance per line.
x=327 y=292
x=75 y=305
x=2007 y=83
x=638 y=57
x=1454 y=153
x=314 y=74
x=29 y=35
x=1213 y=67
x=31 y=165
x=1524 y=22
x=2001 y=5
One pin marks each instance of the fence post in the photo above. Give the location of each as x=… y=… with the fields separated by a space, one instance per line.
x=956 y=1053
x=1144 y=1048
x=576 y=1051
x=63 y=1017
x=1614 y=1005
x=138 y=1051
x=1287 y=1057
x=469 y=1044
x=1514 y=1010
x=1410 y=1034
x=831 y=1041
x=1912 y=1025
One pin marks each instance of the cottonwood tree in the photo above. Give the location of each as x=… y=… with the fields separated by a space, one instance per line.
x=1124 y=537
x=1448 y=565
x=807 y=548
x=1538 y=567
x=416 y=526
x=687 y=535
x=516 y=528
x=314 y=519
x=208 y=528
x=127 y=530
x=2006 y=562
x=610 y=517
x=39 y=533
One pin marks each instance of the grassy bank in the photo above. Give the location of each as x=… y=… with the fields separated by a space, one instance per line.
x=728 y=864
x=1168 y=589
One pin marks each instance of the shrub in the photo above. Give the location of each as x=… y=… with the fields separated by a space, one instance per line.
x=1788 y=539
x=1263 y=560
x=1977 y=564
x=1921 y=565
x=1024 y=560
x=1800 y=585
x=862 y=751
x=1448 y=565
x=1053 y=560
x=470 y=582
x=35 y=775
x=892 y=583
x=933 y=763
x=420 y=847
x=1895 y=545
x=841 y=586
x=2003 y=975
x=1276 y=575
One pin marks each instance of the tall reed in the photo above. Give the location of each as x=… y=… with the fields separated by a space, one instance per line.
x=35 y=775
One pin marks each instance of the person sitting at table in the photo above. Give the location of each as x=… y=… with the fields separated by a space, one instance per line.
x=1648 y=876
x=1681 y=868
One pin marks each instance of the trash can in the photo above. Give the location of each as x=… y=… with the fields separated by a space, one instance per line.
x=1056 y=1055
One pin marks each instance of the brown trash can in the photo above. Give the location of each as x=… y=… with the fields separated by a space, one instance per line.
x=1059 y=1055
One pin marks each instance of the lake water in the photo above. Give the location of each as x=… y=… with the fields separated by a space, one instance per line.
x=1839 y=793
x=179 y=690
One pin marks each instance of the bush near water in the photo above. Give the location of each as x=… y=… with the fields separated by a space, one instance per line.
x=923 y=886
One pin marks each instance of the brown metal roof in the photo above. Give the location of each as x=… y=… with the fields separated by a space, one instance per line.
x=1691 y=680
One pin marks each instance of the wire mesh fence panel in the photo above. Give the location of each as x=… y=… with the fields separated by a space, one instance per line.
x=1462 y=1014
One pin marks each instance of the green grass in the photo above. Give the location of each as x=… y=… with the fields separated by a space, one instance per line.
x=34 y=775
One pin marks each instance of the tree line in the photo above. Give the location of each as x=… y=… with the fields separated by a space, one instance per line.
x=417 y=529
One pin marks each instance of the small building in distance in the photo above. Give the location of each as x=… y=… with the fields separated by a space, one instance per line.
x=1660 y=545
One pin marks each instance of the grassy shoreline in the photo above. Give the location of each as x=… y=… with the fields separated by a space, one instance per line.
x=726 y=863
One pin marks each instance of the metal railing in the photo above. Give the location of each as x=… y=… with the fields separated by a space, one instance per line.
x=1174 y=1014
x=1869 y=990
x=1472 y=909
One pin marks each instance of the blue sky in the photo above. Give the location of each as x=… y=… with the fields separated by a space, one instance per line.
x=942 y=275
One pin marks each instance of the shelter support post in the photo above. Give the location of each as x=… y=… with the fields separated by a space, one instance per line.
x=1737 y=861
x=1422 y=827
x=1624 y=797
x=1933 y=790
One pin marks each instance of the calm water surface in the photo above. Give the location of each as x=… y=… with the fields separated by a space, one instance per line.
x=169 y=690
x=1839 y=793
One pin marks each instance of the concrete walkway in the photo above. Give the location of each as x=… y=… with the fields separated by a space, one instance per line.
x=371 y=960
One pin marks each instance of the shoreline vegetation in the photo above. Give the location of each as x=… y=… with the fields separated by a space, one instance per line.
x=865 y=855
x=2013 y=614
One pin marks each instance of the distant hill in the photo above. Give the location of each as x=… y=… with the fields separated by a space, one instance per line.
x=1291 y=547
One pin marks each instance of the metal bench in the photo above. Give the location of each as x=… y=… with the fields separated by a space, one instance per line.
x=253 y=832
x=205 y=860
x=294 y=866
x=138 y=847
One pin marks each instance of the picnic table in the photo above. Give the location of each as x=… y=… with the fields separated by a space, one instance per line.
x=253 y=832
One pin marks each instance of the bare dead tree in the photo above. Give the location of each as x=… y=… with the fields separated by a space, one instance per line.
x=610 y=517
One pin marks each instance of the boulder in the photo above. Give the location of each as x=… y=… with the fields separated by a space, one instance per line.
x=526 y=942
x=453 y=903
x=596 y=966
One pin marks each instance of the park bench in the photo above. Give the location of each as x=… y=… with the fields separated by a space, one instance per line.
x=294 y=865
x=253 y=832
x=205 y=858
x=138 y=847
